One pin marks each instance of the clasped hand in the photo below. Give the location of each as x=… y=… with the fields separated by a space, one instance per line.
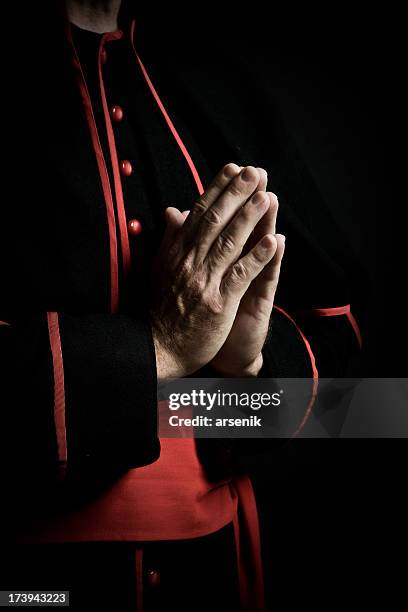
x=215 y=278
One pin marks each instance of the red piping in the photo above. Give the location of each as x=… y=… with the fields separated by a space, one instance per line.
x=120 y=205
x=334 y=312
x=110 y=211
x=314 y=370
x=169 y=122
x=356 y=328
x=59 y=387
x=139 y=579
x=249 y=557
x=328 y=312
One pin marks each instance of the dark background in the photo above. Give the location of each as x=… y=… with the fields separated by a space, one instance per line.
x=333 y=512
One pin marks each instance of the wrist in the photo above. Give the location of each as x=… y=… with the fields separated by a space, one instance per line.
x=167 y=365
x=250 y=370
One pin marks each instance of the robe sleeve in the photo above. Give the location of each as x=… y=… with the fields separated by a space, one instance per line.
x=78 y=395
x=325 y=342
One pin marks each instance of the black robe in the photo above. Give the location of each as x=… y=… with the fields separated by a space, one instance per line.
x=56 y=258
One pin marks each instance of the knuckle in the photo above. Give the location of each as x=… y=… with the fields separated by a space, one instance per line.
x=263 y=306
x=239 y=272
x=225 y=244
x=259 y=197
x=200 y=205
x=235 y=189
x=258 y=256
x=196 y=288
x=214 y=302
x=219 y=182
x=248 y=215
x=212 y=217
x=186 y=266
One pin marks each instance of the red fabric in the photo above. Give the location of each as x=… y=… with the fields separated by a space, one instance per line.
x=248 y=548
x=59 y=388
x=170 y=499
x=356 y=328
x=328 y=312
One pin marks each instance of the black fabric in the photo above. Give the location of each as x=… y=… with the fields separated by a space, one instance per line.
x=55 y=253
x=111 y=391
x=26 y=402
x=333 y=359
x=144 y=139
x=247 y=128
x=55 y=257
x=279 y=362
x=103 y=575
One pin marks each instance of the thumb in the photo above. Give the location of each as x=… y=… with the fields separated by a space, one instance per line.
x=174 y=220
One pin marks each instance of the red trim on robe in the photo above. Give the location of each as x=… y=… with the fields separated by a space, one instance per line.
x=314 y=370
x=356 y=328
x=169 y=122
x=59 y=388
x=249 y=557
x=120 y=205
x=104 y=176
x=334 y=312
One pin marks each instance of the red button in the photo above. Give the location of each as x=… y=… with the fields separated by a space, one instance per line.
x=104 y=56
x=153 y=579
x=134 y=227
x=125 y=167
x=116 y=113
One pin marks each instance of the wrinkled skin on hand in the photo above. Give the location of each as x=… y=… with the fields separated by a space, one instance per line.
x=215 y=278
